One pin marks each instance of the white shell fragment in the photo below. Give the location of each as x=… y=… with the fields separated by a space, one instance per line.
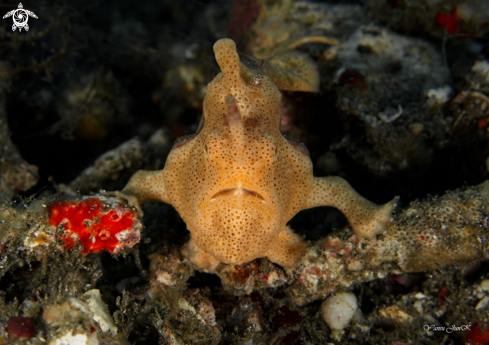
x=482 y=303
x=420 y=295
x=75 y=339
x=100 y=311
x=438 y=96
x=338 y=310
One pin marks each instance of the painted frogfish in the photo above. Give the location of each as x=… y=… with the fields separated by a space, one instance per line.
x=238 y=181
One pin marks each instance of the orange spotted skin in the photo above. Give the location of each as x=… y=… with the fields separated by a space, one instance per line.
x=238 y=181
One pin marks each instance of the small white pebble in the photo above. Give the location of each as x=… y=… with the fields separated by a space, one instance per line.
x=338 y=310
x=420 y=295
x=485 y=285
x=418 y=305
x=480 y=295
x=438 y=96
x=481 y=68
